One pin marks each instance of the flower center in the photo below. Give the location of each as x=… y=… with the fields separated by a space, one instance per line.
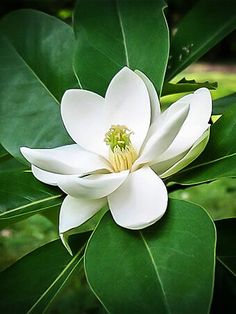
x=122 y=154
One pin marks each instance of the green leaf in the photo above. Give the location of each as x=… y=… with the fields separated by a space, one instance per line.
x=3 y=152
x=222 y=104
x=113 y=34
x=184 y=86
x=36 y=69
x=162 y=269
x=203 y=27
x=226 y=239
x=32 y=283
x=8 y=163
x=22 y=196
x=218 y=159
x=225 y=281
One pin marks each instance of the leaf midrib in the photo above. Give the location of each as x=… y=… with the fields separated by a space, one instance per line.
x=57 y=279
x=31 y=69
x=207 y=163
x=123 y=33
x=225 y=266
x=30 y=204
x=157 y=273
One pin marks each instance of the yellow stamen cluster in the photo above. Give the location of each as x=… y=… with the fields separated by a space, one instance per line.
x=122 y=154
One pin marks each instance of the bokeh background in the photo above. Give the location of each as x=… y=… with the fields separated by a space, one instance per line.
x=219 y=197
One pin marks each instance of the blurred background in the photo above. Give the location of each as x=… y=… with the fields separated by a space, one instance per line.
x=219 y=197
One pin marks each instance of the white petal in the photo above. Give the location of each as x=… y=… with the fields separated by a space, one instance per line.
x=70 y=159
x=127 y=103
x=192 y=154
x=195 y=124
x=75 y=211
x=161 y=134
x=83 y=115
x=162 y=166
x=140 y=201
x=93 y=186
x=154 y=100
x=45 y=176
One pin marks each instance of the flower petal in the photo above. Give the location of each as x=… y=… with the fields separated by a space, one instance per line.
x=83 y=115
x=154 y=100
x=127 y=103
x=191 y=155
x=140 y=201
x=70 y=159
x=161 y=134
x=75 y=211
x=93 y=186
x=45 y=176
x=195 y=124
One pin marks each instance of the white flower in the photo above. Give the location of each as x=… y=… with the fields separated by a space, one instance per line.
x=125 y=147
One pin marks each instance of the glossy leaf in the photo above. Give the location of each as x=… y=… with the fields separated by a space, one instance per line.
x=31 y=283
x=111 y=34
x=203 y=27
x=218 y=159
x=3 y=152
x=36 y=69
x=22 y=196
x=8 y=163
x=225 y=281
x=162 y=269
x=223 y=104
x=184 y=86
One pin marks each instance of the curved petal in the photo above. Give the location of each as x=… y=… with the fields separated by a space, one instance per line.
x=140 y=201
x=154 y=100
x=70 y=159
x=195 y=124
x=83 y=115
x=93 y=186
x=127 y=103
x=161 y=134
x=75 y=211
x=191 y=155
x=162 y=166
x=46 y=176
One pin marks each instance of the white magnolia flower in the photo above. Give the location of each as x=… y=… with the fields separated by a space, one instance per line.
x=125 y=147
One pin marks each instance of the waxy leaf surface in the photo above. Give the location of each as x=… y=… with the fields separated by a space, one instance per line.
x=22 y=196
x=30 y=285
x=36 y=69
x=223 y=104
x=111 y=34
x=162 y=269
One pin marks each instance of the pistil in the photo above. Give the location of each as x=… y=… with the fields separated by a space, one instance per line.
x=122 y=154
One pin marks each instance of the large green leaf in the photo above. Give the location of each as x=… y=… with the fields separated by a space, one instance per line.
x=36 y=68
x=111 y=34
x=218 y=159
x=225 y=281
x=167 y=268
x=8 y=163
x=222 y=104
x=203 y=27
x=22 y=196
x=31 y=284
